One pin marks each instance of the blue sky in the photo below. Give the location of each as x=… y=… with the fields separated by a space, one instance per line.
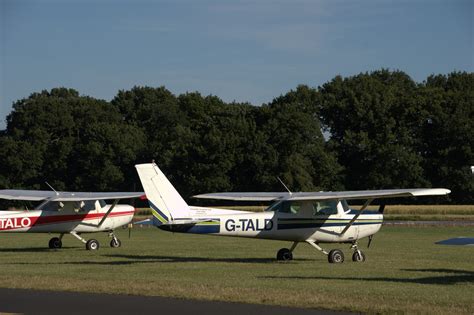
x=248 y=51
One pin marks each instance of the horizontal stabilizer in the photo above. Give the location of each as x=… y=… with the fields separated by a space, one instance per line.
x=144 y=222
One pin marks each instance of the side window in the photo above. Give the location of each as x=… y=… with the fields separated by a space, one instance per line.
x=286 y=207
x=325 y=207
x=87 y=205
x=102 y=203
x=295 y=208
x=49 y=206
x=289 y=207
x=345 y=206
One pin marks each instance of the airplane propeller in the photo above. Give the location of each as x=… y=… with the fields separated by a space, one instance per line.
x=382 y=208
x=370 y=240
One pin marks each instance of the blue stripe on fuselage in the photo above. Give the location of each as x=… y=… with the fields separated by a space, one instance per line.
x=152 y=205
x=205 y=229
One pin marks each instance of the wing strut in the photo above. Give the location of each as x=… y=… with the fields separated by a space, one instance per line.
x=108 y=212
x=366 y=204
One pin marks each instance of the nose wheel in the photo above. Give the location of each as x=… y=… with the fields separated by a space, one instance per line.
x=358 y=255
x=114 y=242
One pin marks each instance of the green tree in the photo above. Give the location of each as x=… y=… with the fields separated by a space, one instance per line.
x=293 y=130
x=447 y=133
x=372 y=120
x=71 y=141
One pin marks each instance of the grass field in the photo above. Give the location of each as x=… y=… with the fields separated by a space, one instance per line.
x=404 y=272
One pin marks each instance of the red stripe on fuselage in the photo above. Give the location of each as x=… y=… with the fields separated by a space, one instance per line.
x=56 y=219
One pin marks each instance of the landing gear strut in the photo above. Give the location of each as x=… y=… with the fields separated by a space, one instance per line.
x=91 y=244
x=336 y=256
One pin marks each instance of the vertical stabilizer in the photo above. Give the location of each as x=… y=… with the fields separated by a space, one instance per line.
x=166 y=203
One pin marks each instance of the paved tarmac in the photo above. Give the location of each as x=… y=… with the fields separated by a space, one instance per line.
x=53 y=302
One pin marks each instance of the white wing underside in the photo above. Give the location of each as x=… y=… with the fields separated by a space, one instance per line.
x=38 y=195
x=326 y=195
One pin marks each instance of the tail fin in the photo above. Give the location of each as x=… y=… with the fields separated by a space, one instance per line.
x=166 y=203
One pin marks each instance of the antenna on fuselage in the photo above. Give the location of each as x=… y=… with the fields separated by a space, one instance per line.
x=57 y=194
x=284 y=185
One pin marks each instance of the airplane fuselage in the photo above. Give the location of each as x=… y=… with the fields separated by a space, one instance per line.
x=66 y=220
x=280 y=226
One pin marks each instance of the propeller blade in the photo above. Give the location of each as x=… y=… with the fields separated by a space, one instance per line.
x=382 y=208
x=130 y=225
x=370 y=240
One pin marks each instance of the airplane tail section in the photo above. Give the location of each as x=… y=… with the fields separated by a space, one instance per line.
x=166 y=203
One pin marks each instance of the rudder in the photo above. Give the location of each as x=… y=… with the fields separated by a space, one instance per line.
x=165 y=201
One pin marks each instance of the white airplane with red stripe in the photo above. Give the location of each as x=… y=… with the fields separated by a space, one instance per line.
x=72 y=213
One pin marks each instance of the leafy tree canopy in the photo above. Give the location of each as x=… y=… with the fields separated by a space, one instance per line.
x=381 y=130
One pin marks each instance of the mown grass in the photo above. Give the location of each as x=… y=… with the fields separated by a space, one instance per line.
x=404 y=272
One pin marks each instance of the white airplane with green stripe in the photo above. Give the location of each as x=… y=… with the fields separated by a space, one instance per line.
x=314 y=218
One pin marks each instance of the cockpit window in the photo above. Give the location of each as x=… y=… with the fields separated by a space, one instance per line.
x=102 y=203
x=88 y=205
x=325 y=207
x=50 y=206
x=285 y=207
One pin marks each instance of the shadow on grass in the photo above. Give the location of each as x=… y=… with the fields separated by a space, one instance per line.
x=141 y=259
x=31 y=250
x=456 y=276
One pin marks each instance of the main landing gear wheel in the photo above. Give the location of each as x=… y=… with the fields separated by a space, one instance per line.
x=115 y=243
x=284 y=254
x=55 y=243
x=92 y=244
x=336 y=256
x=358 y=256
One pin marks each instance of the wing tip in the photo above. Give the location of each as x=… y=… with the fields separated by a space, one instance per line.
x=432 y=192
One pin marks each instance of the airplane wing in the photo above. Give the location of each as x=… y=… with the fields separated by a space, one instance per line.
x=38 y=195
x=326 y=195
x=245 y=196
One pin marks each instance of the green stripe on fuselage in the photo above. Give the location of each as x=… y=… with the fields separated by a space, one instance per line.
x=158 y=216
x=209 y=223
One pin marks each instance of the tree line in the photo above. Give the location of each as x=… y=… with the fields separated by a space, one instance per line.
x=369 y=131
